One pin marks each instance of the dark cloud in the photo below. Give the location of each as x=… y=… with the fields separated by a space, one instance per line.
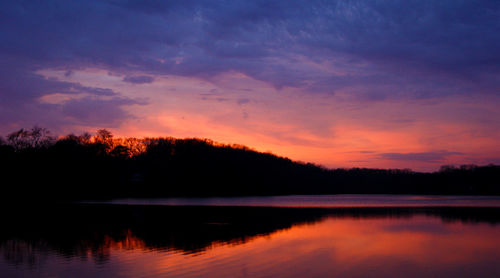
x=436 y=156
x=242 y=101
x=21 y=104
x=143 y=79
x=87 y=111
x=92 y=111
x=378 y=49
x=413 y=40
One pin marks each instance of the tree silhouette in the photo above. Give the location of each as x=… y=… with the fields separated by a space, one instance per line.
x=17 y=139
x=101 y=166
x=104 y=136
x=37 y=137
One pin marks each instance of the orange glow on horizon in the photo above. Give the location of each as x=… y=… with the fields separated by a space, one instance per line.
x=333 y=131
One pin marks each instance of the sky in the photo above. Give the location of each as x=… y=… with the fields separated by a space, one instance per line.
x=378 y=84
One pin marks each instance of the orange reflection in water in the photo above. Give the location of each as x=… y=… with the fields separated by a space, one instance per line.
x=379 y=247
x=130 y=242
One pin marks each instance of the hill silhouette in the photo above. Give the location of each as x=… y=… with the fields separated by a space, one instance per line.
x=36 y=165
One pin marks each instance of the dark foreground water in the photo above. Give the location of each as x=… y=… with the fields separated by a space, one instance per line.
x=436 y=237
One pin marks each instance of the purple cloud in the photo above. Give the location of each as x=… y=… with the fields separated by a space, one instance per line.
x=21 y=91
x=370 y=50
x=91 y=111
x=242 y=101
x=143 y=79
x=436 y=156
x=431 y=49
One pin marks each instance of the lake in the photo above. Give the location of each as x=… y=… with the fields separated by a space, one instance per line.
x=292 y=236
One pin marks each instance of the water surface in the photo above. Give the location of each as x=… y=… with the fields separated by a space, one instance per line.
x=236 y=240
x=323 y=201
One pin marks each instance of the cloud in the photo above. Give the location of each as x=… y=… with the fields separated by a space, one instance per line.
x=143 y=79
x=21 y=105
x=367 y=48
x=435 y=156
x=367 y=51
x=98 y=112
x=242 y=101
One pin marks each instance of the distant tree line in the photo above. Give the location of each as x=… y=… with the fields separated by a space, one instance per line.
x=36 y=164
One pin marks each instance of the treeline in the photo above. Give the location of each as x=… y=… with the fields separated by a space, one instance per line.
x=38 y=165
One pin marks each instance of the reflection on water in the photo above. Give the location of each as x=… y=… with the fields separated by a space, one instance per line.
x=323 y=201
x=97 y=240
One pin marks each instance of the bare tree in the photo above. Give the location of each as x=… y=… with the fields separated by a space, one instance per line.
x=85 y=138
x=39 y=137
x=104 y=137
x=18 y=139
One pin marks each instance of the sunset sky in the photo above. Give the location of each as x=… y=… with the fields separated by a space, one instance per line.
x=379 y=84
